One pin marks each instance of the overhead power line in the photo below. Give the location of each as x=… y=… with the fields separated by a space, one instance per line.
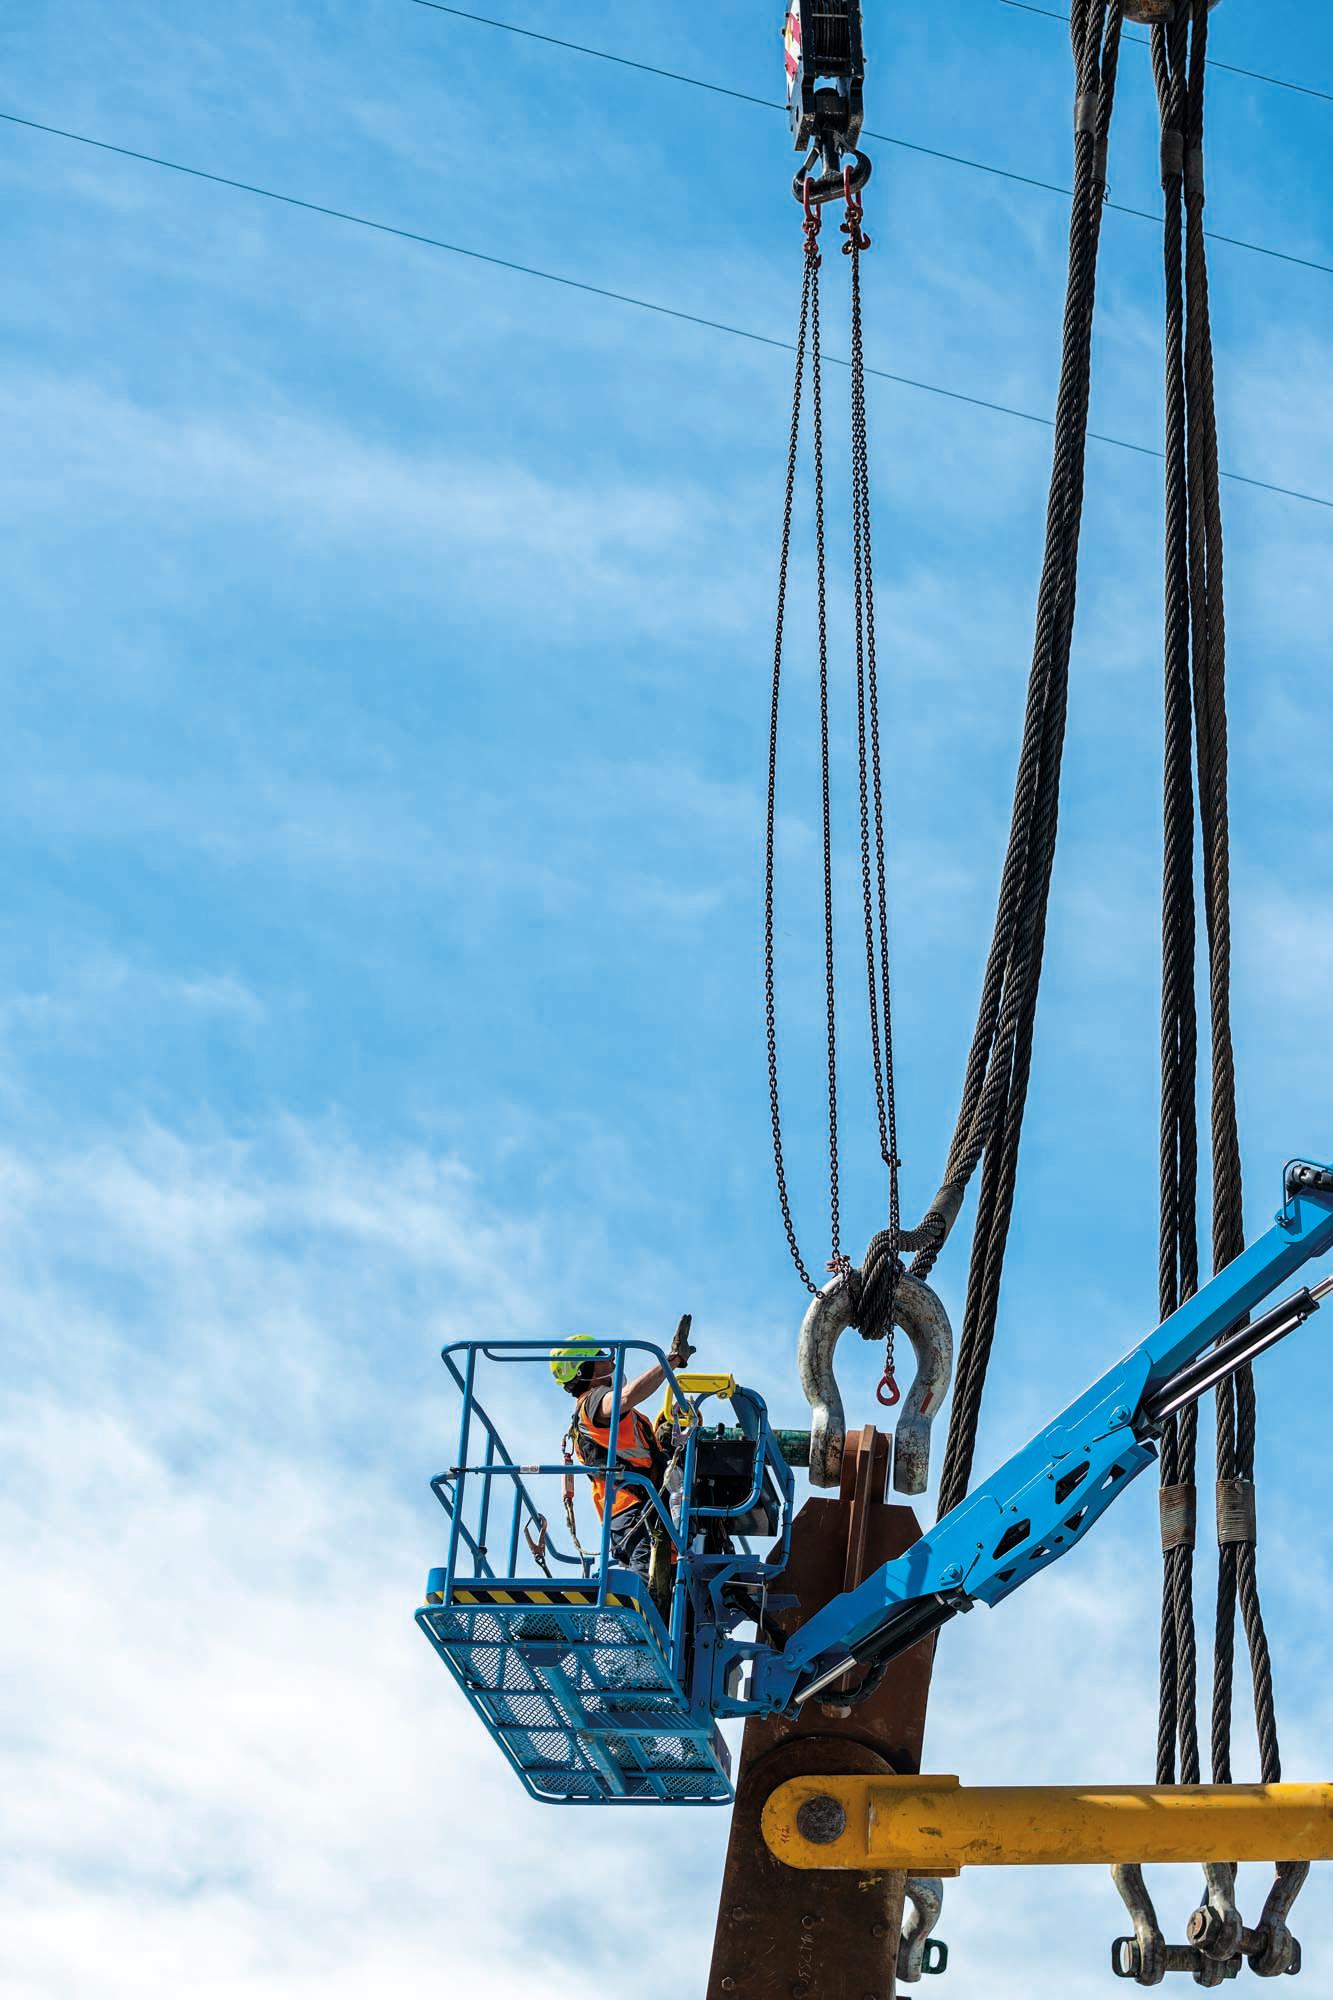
x=1234 y=69
x=605 y=292
x=883 y=138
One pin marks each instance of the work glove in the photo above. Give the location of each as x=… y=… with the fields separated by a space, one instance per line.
x=680 y=1351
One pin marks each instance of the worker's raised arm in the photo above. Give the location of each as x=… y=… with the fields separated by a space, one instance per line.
x=638 y=1388
x=635 y=1391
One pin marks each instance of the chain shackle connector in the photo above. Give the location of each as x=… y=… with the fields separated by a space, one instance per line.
x=811 y=225
x=851 y=227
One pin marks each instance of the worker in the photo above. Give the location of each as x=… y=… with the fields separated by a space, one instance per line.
x=586 y=1370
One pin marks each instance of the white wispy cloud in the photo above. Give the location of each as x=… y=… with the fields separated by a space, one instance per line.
x=238 y=1763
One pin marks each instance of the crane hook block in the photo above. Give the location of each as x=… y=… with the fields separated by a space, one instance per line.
x=825 y=74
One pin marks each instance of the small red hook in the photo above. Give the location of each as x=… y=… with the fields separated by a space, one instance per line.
x=888 y=1392
x=851 y=228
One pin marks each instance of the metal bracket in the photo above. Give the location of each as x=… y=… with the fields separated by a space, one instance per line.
x=1304 y=1174
x=921 y=1315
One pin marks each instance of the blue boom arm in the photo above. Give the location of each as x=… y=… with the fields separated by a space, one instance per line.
x=1045 y=1499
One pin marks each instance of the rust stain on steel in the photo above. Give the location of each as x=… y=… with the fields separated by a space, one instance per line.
x=824 y=1934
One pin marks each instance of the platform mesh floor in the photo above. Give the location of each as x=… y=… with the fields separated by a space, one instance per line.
x=581 y=1700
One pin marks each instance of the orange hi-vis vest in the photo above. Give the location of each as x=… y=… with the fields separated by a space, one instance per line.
x=635 y=1446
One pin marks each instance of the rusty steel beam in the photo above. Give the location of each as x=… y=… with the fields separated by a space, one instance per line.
x=830 y=1936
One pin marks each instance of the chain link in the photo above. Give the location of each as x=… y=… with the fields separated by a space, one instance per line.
x=874 y=898
x=809 y=302
x=874 y=884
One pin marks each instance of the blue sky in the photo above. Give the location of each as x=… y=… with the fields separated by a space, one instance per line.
x=387 y=705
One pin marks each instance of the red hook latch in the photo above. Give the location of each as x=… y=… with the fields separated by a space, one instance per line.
x=888 y=1393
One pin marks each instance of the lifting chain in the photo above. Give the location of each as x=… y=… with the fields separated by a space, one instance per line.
x=877 y=1320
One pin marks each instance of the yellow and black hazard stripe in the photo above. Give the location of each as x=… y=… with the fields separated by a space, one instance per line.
x=556 y=1597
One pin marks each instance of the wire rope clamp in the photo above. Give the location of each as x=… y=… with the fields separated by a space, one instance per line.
x=1178 y=1507
x=920 y=1313
x=1236 y=1519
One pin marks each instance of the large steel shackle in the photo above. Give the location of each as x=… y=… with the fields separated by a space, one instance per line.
x=921 y=1315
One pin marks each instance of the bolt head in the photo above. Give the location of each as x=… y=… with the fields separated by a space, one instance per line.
x=728 y=1984
x=952 y=1573
x=821 y=1820
x=1121 y=1414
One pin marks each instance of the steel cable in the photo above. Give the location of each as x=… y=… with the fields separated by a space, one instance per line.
x=1195 y=742
x=1178 y=1262
x=989 y=1128
x=1236 y=1405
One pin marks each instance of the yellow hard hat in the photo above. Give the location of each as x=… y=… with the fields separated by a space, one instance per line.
x=566 y=1361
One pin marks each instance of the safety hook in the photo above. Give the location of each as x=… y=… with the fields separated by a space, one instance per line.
x=809 y=187
x=888 y=1394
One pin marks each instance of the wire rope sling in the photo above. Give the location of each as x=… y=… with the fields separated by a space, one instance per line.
x=825 y=90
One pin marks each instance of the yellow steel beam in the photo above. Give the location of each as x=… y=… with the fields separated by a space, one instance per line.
x=935 y=1826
